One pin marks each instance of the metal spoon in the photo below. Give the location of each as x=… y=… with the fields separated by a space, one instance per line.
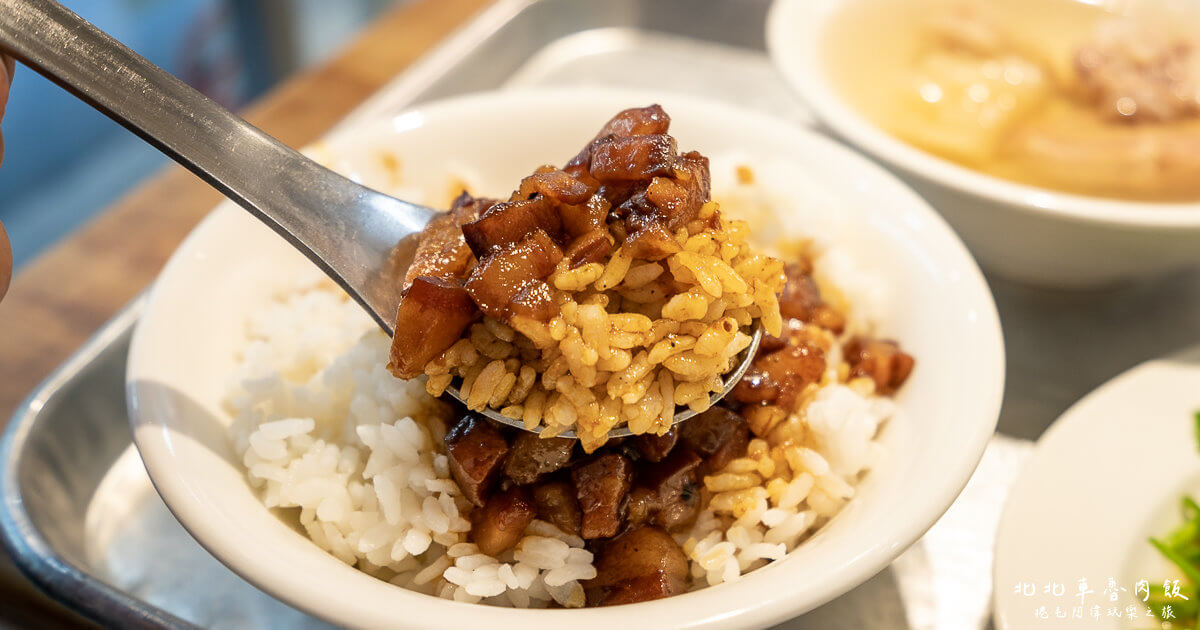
x=350 y=231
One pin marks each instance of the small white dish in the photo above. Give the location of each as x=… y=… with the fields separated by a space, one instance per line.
x=1031 y=234
x=194 y=322
x=1108 y=474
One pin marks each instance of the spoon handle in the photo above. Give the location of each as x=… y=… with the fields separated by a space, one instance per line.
x=347 y=229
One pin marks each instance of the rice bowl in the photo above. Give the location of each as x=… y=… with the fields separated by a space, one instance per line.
x=332 y=592
x=374 y=486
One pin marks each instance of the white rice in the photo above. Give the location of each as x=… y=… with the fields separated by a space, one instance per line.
x=784 y=199
x=353 y=455
x=842 y=424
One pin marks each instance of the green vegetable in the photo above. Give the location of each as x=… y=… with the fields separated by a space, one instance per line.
x=1197 y=419
x=1184 y=612
x=1181 y=546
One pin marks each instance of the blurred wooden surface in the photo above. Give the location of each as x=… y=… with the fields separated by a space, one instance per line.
x=58 y=300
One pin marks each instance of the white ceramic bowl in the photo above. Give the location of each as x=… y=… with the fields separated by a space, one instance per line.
x=184 y=347
x=1030 y=234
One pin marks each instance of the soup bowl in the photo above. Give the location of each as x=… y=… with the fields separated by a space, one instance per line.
x=185 y=345
x=1030 y=234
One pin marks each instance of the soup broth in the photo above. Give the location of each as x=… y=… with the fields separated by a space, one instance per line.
x=1053 y=93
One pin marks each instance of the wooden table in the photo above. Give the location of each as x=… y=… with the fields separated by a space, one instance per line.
x=57 y=301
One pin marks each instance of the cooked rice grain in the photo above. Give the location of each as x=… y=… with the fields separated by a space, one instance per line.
x=322 y=427
x=635 y=331
x=355 y=455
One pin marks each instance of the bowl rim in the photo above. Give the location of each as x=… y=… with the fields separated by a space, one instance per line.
x=795 y=37
x=754 y=608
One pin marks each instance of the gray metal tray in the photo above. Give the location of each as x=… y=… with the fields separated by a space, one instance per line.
x=82 y=520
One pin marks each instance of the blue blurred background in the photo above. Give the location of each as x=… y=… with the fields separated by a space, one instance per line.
x=63 y=161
